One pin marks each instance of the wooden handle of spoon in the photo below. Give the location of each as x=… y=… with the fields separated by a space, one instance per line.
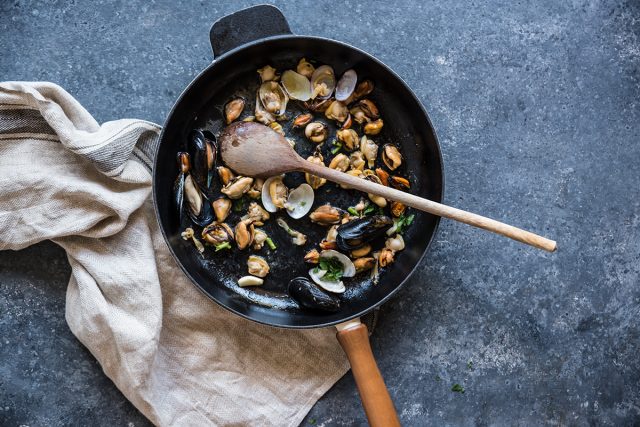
x=429 y=206
x=373 y=392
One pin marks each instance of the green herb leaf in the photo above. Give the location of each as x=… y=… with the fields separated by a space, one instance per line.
x=270 y=243
x=403 y=222
x=303 y=203
x=333 y=267
x=352 y=211
x=221 y=246
x=457 y=388
x=369 y=209
x=337 y=146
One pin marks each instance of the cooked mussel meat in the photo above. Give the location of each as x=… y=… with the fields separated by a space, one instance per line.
x=217 y=234
x=257 y=266
x=316 y=132
x=310 y=296
x=369 y=149
x=267 y=73
x=358 y=232
x=244 y=234
x=315 y=181
x=202 y=152
x=233 y=109
x=349 y=138
x=197 y=206
x=326 y=215
x=237 y=187
x=340 y=162
x=373 y=128
x=273 y=98
x=221 y=208
x=302 y=120
x=225 y=174
x=364 y=264
x=391 y=156
x=337 y=111
x=256 y=188
x=305 y=68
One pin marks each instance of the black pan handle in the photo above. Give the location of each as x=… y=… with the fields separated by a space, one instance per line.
x=247 y=25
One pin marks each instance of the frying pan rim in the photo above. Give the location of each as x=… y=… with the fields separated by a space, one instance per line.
x=198 y=78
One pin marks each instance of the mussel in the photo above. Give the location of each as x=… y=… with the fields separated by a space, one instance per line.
x=326 y=215
x=349 y=138
x=305 y=68
x=337 y=111
x=369 y=149
x=221 y=208
x=373 y=128
x=302 y=120
x=257 y=266
x=233 y=109
x=391 y=156
x=178 y=186
x=315 y=181
x=244 y=234
x=316 y=132
x=310 y=296
x=356 y=159
x=202 y=151
x=358 y=232
x=197 y=206
x=340 y=162
x=217 y=234
x=237 y=187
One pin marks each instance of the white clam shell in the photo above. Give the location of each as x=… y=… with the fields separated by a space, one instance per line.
x=349 y=268
x=300 y=201
x=346 y=85
x=266 y=197
x=335 y=287
x=323 y=74
x=296 y=85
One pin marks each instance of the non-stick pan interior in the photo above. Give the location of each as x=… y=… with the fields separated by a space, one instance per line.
x=201 y=107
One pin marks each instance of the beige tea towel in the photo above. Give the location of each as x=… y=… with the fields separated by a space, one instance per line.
x=180 y=358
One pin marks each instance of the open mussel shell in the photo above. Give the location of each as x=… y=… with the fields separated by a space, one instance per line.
x=323 y=82
x=346 y=85
x=197 y=206
x=310 y=296
x=178 y=185
x=202 y=150
x=296 y=85
x=356 y=233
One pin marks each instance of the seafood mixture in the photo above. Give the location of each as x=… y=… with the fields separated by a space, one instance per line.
x=360 y=239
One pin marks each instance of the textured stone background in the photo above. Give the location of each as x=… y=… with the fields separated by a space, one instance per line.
x=536 y=106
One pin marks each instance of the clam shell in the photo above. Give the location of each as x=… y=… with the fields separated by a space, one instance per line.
x=346 y=85
x=323 y=74
x=296 y=85
x=300 y=201
x=266 y=197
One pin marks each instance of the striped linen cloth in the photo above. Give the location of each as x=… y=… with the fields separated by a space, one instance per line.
x=178 y=357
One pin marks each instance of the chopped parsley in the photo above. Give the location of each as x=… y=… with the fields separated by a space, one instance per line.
x=303 y=203
x=270 y=243
x=457 y=388
x=403 y=222
x=221 y=246
x=369 y=210
x=353 y=211
x=333 y=267
x=337 y=146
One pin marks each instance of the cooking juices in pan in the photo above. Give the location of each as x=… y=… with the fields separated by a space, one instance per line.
x=262 y=226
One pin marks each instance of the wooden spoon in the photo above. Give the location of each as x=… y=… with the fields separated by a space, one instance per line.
x=253 y=149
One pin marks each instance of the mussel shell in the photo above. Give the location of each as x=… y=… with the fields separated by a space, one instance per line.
x=178 y=194
x=202 y=150
x=356 y=233
x=308 y=295
x=195 y=199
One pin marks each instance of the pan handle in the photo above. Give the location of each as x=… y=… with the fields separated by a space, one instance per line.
x=354 y=339
x=247 y=25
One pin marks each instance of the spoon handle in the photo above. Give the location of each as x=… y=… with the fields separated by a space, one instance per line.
x=429 y=206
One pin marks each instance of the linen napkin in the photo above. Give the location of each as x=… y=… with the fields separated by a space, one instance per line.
x=177 y=356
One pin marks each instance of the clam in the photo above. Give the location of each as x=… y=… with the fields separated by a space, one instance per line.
x=337 y=111
x=340 y=162
x=257 y=266
x=369 y=149
x=315 y=181
x=363 y=89
x=217 y=234
x=199 y=210
x=391 y=156
x=356 y=160
x=316 y=132
x=357 y=114
x=261 y=114
x=359 y=232
x=302 y=120
x=339 y=266
x=305 y=68
x=326 y=215
x=395 y=243
x=298 y=238
x=259 y=238
x=233 y=109
x=225 y=174
x=274 y=194
x=346 y=85
x=244 y=233
x=364 y=264
x=221 y=208
x=237 y=187
x=299 y=201
x=349 y=138
x=308 y=295
x=373 y=128
x=397 y=209
x=312 y=256
x=323 y=82
x=296 y=85
x=256 y=188
x=267 y=73
x=202 y=153
x=318 y=105
x=329 y=242
x=273 y=98
x=250 y=281
x=256 y=214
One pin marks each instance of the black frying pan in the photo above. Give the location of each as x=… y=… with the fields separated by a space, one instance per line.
x=242 y=43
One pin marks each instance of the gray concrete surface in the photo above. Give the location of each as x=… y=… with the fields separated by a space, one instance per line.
x=536 y=106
